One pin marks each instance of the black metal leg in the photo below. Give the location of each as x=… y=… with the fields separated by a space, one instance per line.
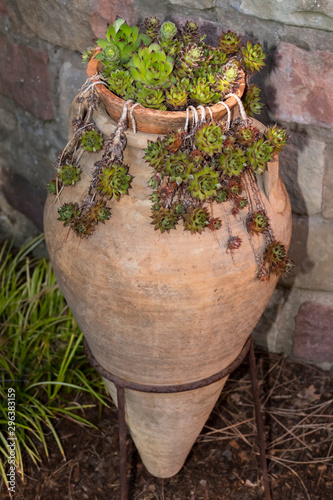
x=122 y=442
x=259 y=422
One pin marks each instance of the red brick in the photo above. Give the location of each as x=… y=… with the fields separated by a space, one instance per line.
x=25 y=78
x=313 y=336
x=301 y=86
x=107 y=12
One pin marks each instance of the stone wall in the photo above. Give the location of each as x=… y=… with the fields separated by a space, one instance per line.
x=41 y=71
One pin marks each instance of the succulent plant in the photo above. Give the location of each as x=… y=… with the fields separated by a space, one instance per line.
x=258 y=154
x=164 y=220
x=189 y=58
x=52 y=187
x=178 y=209
x=91 y=141
x=209 y=138
x=251 y=100
x=121 y=41
x=231 y=71
x=229 y=42
x=233 y=163
x=114 y=181
x=277 y=138
x=190 y=32
x=87 y=55
x=221 y=196
x=277 y=260
x=98 y=212
x=204 y=184
x=168 y=32
x=234 y=187
x=258 y=223
x=82 y=227
x=222 y=85
x=216 y=60
x=152 y=25
x=214 y=224
x=196 y=219
x=253 y=57
x=120 y=81
x=176 y=96
x=275 y=253
x=173 y=141
x=242 y=203
x=246 y=135
x=155 y=154
x=68 y=212
x=69 y=174
x=203 y=93
x=178 y=167
x=151 y=66
x=151 y=98
x=155 y=180
x=234 y=243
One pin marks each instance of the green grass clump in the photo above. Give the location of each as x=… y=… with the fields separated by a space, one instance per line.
x=41 y=357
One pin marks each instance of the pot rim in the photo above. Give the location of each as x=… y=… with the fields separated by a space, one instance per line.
x=154 y=120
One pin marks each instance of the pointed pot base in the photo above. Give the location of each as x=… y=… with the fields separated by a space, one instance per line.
x=164 y=427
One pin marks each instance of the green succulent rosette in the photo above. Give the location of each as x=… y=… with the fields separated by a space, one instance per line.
x=121 y=42
x=92 y=141
x=151 y=98
x=209 y=138
x=151 y=67
x=155 y=154
x=204 y=184
x=233 y=163
x=69 y=174
x=114 y=181
x=258 y=154
x=178 y=167
x=164 y=220
x=196 y=219
x=68 y=212
x=253 y=57
x=203 y=92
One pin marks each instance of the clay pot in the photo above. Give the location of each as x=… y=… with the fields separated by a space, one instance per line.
x=162 y=308
x=153 y=121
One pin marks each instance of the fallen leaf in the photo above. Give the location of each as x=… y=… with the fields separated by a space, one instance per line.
x=234 y=444
x=309 y=394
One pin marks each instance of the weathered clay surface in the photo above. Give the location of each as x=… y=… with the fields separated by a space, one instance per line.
x=162 y=308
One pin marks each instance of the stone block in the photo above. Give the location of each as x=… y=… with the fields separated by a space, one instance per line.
x=311 y=249
x=107 y=12
x=313 y=336
x=23 y=196
x=63 y=23
x=275 y=330
x=305 y=13
x=327 y=208
x=14 y=226
x=300 y=86
x=302 y=165
x=195 y=4
x=71 y=80
x=3 y=8
x=25 y=78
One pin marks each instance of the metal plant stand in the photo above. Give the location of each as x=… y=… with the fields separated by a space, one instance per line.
x=121 y=385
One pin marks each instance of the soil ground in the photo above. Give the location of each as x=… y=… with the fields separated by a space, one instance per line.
x=297 y=402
